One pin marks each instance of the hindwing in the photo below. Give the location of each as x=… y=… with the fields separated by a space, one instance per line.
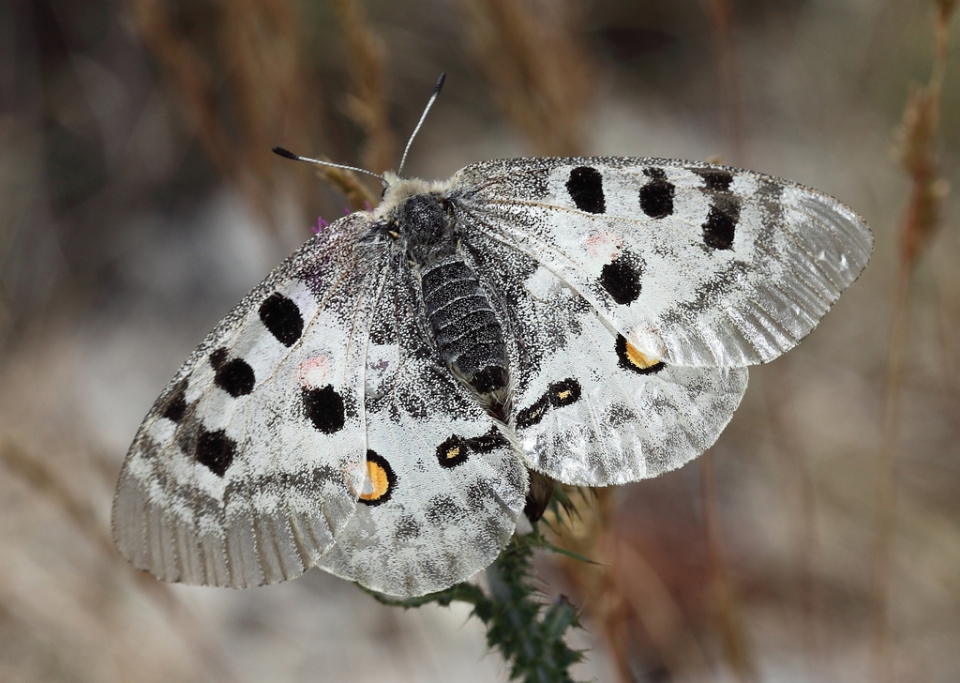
x=445 y=485
x=587 y=410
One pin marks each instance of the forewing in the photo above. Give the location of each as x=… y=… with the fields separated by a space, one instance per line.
x=240 y=473
x=444 y=486
x=695 y=264
x=587 y=412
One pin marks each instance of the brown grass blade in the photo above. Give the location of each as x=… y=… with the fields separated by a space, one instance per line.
x=916 y=150
x=539 y=70
x=367 y=105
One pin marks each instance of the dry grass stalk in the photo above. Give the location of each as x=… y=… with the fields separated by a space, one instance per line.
x=367 y=106
x=729 y=619
x=261 y=53
x=722 y=23
x=254 y=46
x=540 y=73
x=624 y=593
x=916 y=151
x=190 y=75
x=347 y=183
x=726 y=607
x=650 y=601
x=45 y=484
x=587 y=531
x=778 y=393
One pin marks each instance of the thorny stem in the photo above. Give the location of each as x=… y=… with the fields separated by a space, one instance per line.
x=528 y=633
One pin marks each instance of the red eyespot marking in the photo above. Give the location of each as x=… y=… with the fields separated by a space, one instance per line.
x=313 y=372
x=603 y=244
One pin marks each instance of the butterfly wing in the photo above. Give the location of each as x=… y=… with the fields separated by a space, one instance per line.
x=586 y=413
x=241 y=474
x=632 y=293
x=444 y=486
x=697 y=265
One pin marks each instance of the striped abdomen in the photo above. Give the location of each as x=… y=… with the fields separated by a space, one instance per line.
x=465 y=326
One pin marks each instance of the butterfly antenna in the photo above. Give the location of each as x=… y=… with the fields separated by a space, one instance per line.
x=426 y=110
x=287 y=154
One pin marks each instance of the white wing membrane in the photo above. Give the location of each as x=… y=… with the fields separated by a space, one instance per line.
x=620 y=425
x=321 y=423
x=440 y=525
x=585 y=413
x=701 y=266
x=453 y=485
x=239 y=475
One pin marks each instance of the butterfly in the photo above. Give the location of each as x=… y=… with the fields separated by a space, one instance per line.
x=377 y=405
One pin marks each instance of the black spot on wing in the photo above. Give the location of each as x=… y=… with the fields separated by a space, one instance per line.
x=558 y=394
x=490 y=441
x=534 y=414
x=619 y=414
x=218 y=357
x=455 y=450
x=406 y=529
x=656 y=196
x=621 y=279
x=478 y=492
x=715 y=179
x=282 y=318
x=585 y=186
x=443 y=510
x=215 y=451
x=175 y=404
x=564 y=392
x=719 y=229
x=234 y=376
x=452 y=452
x=325 y=409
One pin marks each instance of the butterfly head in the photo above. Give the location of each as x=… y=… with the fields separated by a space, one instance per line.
x=418 y=214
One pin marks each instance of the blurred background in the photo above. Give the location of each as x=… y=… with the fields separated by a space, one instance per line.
x=139 y=201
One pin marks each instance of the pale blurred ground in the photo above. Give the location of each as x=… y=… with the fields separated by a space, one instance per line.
x=121 y=245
